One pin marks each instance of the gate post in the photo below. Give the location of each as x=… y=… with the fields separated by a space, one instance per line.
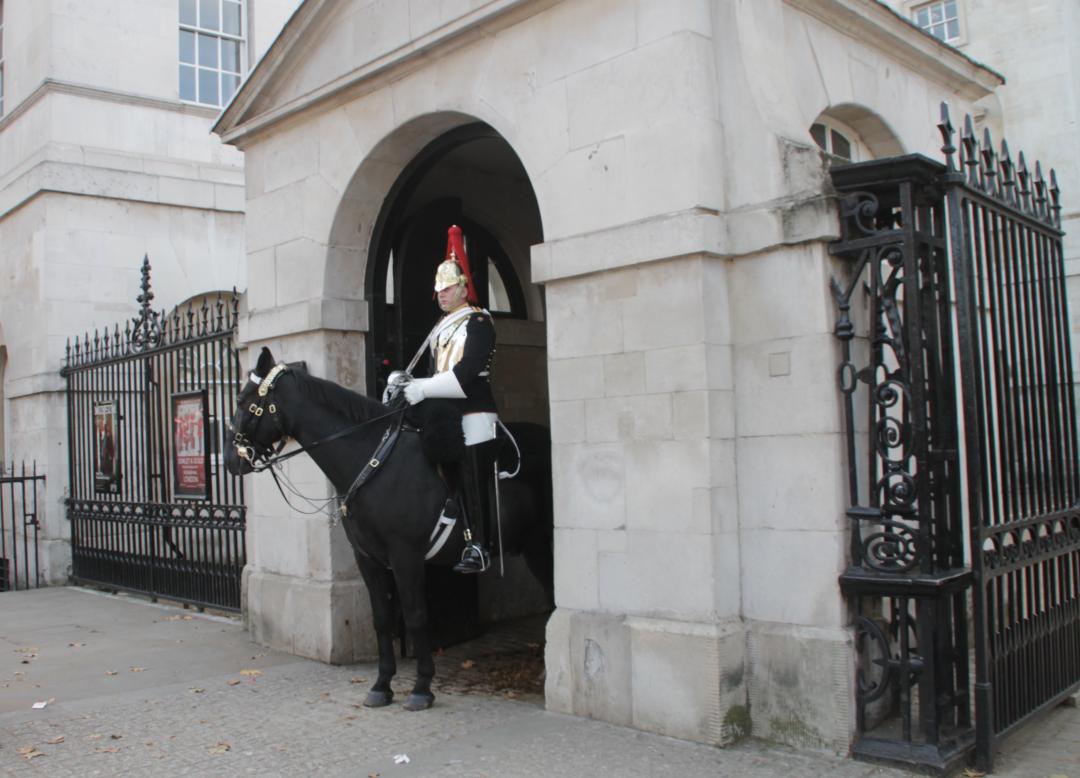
x=906 y=581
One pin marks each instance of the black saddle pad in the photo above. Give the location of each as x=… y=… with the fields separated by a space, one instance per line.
x=439 y=422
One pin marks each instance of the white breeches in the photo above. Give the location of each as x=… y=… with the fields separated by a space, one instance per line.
x=478 y=427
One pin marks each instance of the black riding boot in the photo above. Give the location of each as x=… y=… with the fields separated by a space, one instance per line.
x=478 y=481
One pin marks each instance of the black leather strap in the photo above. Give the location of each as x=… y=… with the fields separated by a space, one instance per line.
x=382 y=452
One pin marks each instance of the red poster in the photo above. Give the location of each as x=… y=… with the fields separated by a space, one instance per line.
x=190 y=454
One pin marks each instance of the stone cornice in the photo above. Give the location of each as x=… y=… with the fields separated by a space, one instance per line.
x=878 y=26
x=45 y=175
x=54 y=86
x=236 y=121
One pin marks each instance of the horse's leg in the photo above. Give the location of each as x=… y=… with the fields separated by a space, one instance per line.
x=380 y=589
x=409 y=574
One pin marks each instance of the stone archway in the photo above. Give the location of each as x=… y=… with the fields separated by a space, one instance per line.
x=469 y=174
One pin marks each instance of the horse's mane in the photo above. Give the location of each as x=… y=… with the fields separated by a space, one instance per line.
x=345 y=402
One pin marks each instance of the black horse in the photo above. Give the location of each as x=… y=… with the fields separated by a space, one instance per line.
x=389 y=520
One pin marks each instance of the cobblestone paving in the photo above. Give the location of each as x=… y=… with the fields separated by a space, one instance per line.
x=290 y=717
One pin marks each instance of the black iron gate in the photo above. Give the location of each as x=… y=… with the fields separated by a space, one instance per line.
x=151 y=506
x=21 y=495
x=963 y=477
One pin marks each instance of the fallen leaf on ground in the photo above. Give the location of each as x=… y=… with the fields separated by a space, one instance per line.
x=29 y=752
x=115 y=737
x=357 y=679
x=971 y=772
x=234 y=681
x=107 y=749
x=511 y=695
x=136 y=669
x=110 y=672
x=93 y=737
x=178 y=618
x=76 y=644
x=468 y=664
x=56 y=740
x=196 y=691
x=220 y=748
x=251 y=673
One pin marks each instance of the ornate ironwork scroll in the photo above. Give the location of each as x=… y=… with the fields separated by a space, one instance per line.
x=906 y=581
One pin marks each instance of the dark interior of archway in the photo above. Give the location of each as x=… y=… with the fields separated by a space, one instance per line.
x=470 y=177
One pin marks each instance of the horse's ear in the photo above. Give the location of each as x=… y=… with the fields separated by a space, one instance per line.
x=265 y=363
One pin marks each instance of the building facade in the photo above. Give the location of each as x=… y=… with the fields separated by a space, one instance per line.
x=645 y=188
x=661 y=200
x=106 y=157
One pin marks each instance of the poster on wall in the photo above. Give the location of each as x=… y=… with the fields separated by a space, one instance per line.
x=106 y=447
x=191 y=460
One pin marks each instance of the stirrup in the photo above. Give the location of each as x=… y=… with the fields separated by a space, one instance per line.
x=474 y=559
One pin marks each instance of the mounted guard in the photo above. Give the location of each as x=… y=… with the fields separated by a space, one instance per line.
x=461 y=349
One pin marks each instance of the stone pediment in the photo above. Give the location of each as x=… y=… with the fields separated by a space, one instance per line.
x=330 y=45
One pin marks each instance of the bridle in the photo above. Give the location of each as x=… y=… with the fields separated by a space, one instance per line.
x=262 y=456
x=259 y=455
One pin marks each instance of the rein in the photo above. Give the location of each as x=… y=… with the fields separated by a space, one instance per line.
x=262 y=457
x=266 y=463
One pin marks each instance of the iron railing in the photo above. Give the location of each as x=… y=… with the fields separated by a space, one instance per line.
x=152 y=507
x=21 y=498
x=906 y=582
x=969 y=403
x=1023 y=486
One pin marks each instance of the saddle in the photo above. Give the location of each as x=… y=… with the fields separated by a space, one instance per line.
x=439 y=424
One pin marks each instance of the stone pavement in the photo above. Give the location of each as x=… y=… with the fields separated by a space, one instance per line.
x=136 y=689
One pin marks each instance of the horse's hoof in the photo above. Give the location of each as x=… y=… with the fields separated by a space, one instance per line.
x=377 y=699
x=418 y=701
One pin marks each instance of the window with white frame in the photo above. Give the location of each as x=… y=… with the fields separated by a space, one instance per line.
x=838 y=140
x=212 y=55
x=940 y=18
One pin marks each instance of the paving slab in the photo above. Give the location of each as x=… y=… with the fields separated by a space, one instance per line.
x=135 y=689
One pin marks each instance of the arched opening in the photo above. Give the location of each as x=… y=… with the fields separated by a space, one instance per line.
x=852 y=133
x=468 y=176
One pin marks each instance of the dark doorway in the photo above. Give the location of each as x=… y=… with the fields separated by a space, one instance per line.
x=470 y=177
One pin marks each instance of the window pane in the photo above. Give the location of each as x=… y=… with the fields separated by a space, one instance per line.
x=230 y=55
x=952 y=30
x=498 y=299
x=232 y=18
x=208 y=51
x=950 y=9
x=228 y=86
x=187 y=83
x=936 y=14
x=187 y=47
x=922 y=17
x=208 y=15
x=208 y=86
x=841 y=147
x=817 y=132
x=187 y=12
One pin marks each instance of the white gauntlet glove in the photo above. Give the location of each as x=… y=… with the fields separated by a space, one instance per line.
x=442 y=385
x=414 y=390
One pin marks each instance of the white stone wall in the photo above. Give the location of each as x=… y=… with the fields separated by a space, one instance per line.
x=100 y=164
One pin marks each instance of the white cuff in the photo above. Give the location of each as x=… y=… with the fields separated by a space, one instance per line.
x=444 y=385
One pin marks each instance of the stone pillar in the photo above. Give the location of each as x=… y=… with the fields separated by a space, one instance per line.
x=302 y=592
x=647 y=630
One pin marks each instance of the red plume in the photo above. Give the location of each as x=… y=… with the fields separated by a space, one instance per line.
x=455 y=245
